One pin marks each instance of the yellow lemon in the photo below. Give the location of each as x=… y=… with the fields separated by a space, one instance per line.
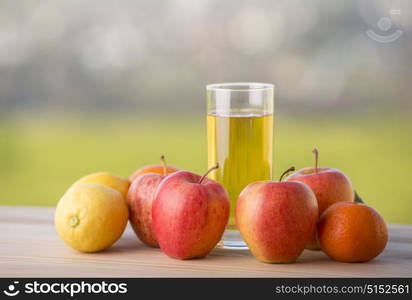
x=91 y=217
x=104 y=178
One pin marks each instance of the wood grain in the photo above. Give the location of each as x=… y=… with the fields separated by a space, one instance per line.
x=30 y=247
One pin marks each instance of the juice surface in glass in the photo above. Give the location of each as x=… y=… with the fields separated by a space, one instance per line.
x=241 y=143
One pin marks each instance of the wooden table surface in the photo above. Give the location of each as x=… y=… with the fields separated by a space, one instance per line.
x=30 y=247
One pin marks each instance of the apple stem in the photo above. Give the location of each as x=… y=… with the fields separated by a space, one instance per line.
x=316 y=154
x=208 y=171
x=163 y=160
x=291 y=169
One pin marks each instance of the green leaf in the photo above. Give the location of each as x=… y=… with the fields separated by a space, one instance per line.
x=358 y=199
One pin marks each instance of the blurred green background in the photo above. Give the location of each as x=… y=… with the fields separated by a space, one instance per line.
x=42 y=156
x=86 y=87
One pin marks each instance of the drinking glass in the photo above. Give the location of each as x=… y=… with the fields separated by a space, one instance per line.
x=240 y=140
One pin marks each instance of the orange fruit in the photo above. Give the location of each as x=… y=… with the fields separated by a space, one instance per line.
x=352 y=232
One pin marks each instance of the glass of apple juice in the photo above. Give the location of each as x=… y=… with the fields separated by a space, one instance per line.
x=240 y=140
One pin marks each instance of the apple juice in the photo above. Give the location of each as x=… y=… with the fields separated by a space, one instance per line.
x=242 y=145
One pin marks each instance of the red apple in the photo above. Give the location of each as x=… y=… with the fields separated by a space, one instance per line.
x=159 y=169
x=329 y=185
x=276 y=219
x=140 y=199
x=189 y=214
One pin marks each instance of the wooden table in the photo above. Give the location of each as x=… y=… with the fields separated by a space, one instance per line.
x=30 y=247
